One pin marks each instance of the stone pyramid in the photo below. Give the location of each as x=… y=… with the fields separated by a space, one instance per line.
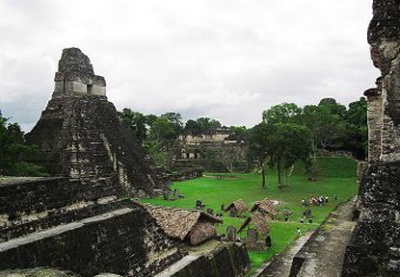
x=82 y=137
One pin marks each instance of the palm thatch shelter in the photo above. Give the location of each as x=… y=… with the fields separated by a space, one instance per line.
x=260 y=221
x=237 y=208
x=189 y=226
x=265 y=206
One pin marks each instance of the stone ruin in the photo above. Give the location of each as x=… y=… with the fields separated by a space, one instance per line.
x=77 y=220
x=374 y=249
x=82 y=137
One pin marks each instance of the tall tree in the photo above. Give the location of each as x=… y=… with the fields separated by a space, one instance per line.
x=289 y=143
x=259 y=146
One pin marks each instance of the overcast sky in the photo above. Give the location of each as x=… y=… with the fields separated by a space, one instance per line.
x=224 y=59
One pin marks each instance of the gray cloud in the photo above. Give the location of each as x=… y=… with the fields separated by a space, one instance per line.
x=224 y=59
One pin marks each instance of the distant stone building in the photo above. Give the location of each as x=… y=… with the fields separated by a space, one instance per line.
x=221 y=150
x=82 y=137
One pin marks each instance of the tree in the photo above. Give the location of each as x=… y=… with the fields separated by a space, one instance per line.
x=259 y=146
x=193 y=128
x=323 y=124
x=356 y=128
x=162 y=140
x=207 y=125
x=240 y=132
x=14 y=151
x=333 y=106
x=288 y=143
x=136 y=122
x=283 y=113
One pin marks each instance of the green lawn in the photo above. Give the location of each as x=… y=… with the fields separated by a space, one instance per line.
x=337 y=176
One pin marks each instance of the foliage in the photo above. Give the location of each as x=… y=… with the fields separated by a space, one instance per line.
x=14 y=151
x=332 y=126
x=136 y=122
x=289 y=143
x=325 y=126
x=283 y=113
x=202 y=125
x=157 y=134
x=162 y=141
x=193 y=127
x=357 y=130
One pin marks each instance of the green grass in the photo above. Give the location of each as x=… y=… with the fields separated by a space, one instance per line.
x=337 y=176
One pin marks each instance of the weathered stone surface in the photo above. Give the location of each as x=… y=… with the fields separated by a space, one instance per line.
x=384 y=103
x=76 y=76
x=37 y=272
x=374 y=247
x=370 y=251
x=125 y=241
x=83 y=138
x=229 y=260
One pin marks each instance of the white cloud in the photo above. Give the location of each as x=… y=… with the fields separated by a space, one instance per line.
x=224 y=59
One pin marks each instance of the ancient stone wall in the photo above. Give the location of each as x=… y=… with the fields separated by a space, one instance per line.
x=229 y=261
x=46 y=194
x=374 y=249
x=76 y=76
x=125 y=241
x=384 y=102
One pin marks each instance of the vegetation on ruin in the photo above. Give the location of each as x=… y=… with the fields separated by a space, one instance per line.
x=337 y=176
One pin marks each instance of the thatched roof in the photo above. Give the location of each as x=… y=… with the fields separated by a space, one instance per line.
x=202 y=231
x=177 y=223
x=239 y=205
x=265 y=205
x=260 y=221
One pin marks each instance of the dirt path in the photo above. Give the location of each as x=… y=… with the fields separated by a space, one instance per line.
x=323 y=252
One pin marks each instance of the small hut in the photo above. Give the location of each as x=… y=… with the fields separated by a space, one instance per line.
x=237 y=208
x=260 y=222
x=258 y=238
x=265 y=206
x=190 y=226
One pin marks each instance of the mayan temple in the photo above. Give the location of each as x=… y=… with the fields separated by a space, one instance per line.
x=76 y=221
x=82 y=137
x=374 y=249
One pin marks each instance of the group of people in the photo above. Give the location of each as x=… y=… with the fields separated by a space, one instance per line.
x=315 y=201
